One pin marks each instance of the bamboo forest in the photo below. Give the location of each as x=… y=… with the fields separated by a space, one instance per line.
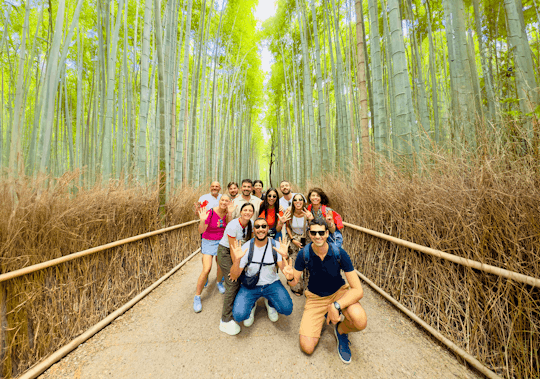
x=420 y=119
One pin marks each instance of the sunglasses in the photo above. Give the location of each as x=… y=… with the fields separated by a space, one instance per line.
x=272 y=196
x=317 y=232
x=261 y=226
x=298 y=199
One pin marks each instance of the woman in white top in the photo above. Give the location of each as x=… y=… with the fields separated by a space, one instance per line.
x=240 y=229
x=296 y=229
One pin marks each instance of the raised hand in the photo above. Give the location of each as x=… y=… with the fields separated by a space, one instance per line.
x=288 y=269
x=231 y=207
x=203 y=214
x=286 y=217
x=307 y=214
x=283 y=248
x=236 y=250
x=298 y=244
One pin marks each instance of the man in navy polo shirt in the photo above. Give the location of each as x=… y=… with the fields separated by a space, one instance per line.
x=327 y=295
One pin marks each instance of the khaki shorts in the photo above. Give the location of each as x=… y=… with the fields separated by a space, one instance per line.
x=315 y=309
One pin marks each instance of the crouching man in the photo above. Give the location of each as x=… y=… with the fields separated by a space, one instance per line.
x=259 y=258
x=327 y=295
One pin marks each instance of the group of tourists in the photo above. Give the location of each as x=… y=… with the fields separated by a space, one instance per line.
x=253 y=233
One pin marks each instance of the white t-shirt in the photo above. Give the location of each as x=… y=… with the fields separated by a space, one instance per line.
x=286 y=203
x=268 y=271
x=234 y=230
x=212 y=201
x=297 y=224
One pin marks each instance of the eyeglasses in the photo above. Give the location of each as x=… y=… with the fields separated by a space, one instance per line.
x=298 y=199
x=271 y=196
x=317 y=232
x=260 y=226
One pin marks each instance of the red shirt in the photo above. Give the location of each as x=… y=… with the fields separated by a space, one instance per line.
x=271 y=217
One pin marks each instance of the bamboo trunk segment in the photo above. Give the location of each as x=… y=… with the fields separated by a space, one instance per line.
x=70 y=257
x=40 y=367
x=452 y=258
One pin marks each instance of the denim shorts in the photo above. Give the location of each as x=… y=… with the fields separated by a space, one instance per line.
x=209 y=247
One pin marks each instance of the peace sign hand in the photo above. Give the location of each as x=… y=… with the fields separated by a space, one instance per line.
x=307 y=214
x=288 y=270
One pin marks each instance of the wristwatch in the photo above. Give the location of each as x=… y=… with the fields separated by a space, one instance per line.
x=337 y=306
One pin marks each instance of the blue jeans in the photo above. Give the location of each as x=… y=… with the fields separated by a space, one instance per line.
x=278 y=297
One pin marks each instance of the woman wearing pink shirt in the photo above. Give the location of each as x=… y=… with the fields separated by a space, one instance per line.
x=211 y=226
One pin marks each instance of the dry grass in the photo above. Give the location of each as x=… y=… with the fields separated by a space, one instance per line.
x=43 y=311
x=487 y=211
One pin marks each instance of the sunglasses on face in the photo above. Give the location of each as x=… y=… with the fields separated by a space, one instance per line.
x=272 y=196
x=260 y=226
x=317 y=232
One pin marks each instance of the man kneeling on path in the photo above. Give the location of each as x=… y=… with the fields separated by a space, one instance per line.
x=327 y=295
x=259 y=257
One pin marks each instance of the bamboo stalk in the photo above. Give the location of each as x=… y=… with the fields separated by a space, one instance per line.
x=452 y=258
x=39 y=368
x=452 y=346
x=70 y=257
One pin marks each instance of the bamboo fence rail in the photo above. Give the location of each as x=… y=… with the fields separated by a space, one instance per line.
x=80 y=254
x=452 y=258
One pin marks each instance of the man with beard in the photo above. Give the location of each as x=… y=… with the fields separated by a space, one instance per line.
x=259 y=257
x=232 y=187
x=286 y=200
x=210 y=200
x=247 y=197
x=327 y=296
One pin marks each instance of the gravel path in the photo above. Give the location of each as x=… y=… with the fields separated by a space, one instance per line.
x=161 y=337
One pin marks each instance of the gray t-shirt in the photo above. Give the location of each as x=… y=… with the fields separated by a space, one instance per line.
x=268 y=271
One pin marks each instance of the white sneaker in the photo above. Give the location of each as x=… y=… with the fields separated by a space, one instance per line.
x=272 y=313
x=251 y=318
x=231 y=327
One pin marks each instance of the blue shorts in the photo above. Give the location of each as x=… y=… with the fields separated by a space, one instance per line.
x=209 y=247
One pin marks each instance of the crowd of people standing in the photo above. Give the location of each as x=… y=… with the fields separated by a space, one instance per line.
x=253 y=233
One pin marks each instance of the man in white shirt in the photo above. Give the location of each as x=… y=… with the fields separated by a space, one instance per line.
x=265 y=257
x=247 y=197
x=286 y=200
x=210 y=200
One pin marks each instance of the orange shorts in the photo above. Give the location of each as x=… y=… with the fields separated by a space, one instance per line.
x=315 y=309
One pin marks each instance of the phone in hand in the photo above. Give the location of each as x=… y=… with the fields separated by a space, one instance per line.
x=303 y=241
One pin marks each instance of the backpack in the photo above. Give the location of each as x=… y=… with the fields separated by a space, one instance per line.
x=250 y=282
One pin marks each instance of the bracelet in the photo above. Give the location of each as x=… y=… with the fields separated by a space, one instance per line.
x=290 y=280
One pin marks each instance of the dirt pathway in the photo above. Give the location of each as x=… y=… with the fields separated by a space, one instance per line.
x=161 y=337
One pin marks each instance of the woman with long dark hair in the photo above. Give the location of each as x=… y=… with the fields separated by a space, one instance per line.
x=297 y=225
x=270 y=212
x=239 y=229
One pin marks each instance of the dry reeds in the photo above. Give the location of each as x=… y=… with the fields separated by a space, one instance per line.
x=488 y=211
x=45 y=310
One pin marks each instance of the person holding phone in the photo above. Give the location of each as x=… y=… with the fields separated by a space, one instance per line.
x=296 y=230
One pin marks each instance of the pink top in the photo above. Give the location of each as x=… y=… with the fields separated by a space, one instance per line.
x=216 y=226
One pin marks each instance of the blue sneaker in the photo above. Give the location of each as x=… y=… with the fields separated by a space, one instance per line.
x=197 y=306
x=220 y=287
x=343 y=348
